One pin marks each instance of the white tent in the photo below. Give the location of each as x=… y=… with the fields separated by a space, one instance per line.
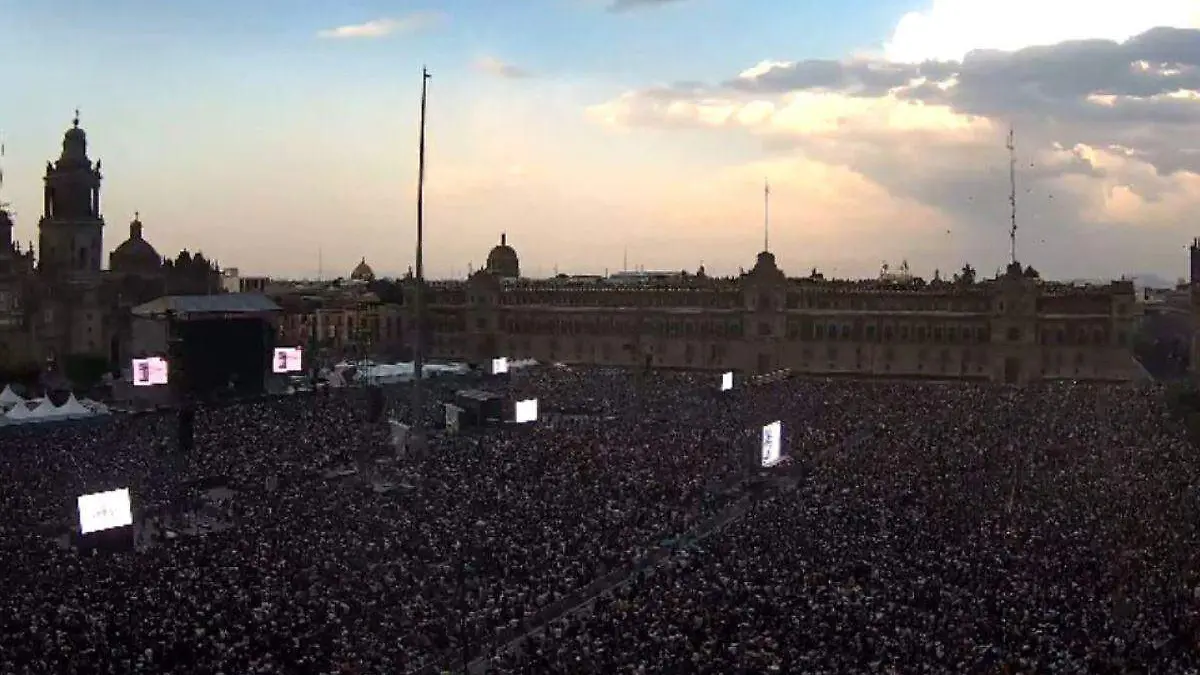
x=73 y=408
x=8 y=396
x=45 y=410
x=19 y=413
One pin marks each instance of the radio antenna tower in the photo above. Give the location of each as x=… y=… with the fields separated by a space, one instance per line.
x=766 y=216
x=1012 y=195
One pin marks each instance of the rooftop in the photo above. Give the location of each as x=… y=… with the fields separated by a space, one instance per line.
x=224 y=303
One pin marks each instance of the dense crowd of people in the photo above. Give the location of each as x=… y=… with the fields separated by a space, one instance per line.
x=972 y=530
x=923 y=528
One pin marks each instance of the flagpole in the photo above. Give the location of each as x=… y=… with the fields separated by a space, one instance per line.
x=418 y=392
x=766 y=216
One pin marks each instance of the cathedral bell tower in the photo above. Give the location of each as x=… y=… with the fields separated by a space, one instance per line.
x=71 y=230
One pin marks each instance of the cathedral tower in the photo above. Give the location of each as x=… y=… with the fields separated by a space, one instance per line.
x=71 y=230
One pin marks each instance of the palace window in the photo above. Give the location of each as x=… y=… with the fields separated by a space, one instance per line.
x=1014 y=334
x=845 y=332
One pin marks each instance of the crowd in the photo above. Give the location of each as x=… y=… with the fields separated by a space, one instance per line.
x=968 y=529
x=925 y=528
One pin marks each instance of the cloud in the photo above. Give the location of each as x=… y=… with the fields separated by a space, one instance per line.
x=1108 y=129
x=494 y=66
x=378 y=28
x=949 y=29
x=626 y=5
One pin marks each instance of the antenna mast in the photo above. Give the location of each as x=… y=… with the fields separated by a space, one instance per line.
x=766 y=216
x=1012 y=195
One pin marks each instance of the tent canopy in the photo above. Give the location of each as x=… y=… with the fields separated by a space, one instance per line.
x=73 y=408
x=18 y=412
x=9 y=396
x=45 y=409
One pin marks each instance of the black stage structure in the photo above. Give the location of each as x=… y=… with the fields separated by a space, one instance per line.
x=217 y=346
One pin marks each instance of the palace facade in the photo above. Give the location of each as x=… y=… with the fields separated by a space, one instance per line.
x=62 y=304
x=1015 y=328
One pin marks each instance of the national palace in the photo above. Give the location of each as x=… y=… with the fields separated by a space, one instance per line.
x=1015 y=328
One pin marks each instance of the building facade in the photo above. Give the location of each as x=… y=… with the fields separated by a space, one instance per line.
x=64 y=304
x=1015 y=328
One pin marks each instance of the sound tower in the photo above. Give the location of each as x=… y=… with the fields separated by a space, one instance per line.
x=375 y=404
x=187 y=424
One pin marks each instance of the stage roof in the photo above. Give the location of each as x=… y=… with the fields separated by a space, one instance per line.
x=223 y=303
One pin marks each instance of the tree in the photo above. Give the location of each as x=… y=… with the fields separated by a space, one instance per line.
x=966 y=276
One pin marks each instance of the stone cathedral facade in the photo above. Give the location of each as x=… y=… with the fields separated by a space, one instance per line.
x=62 y=303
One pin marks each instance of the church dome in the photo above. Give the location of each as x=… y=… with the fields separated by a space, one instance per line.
x=74 y=144
x=135 y=253
x=503 y=260
x=362 y=272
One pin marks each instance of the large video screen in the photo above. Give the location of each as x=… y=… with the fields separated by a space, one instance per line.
x=526 y=411
x=104 y=510
x=727 y=381
x=286 y=360
x=149 y=372
x=772 y=444
x=500 y=365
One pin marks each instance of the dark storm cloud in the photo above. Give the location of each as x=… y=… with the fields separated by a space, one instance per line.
x=1093 y=92
x=1044 y=79
x=1066 y=101
x=994 y=83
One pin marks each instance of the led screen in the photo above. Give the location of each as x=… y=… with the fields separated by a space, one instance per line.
x=104 y=511
x=286 y=360
x=149 y=372
x=772 y=443
x=526 y=411
x=727 y=381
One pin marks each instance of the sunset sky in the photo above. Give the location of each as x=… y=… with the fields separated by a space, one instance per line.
x=271 y=135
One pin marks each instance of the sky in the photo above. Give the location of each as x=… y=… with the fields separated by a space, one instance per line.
x=281 y=137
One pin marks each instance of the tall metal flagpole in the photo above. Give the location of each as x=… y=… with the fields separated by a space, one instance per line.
x=766 y=215
x=418 y=392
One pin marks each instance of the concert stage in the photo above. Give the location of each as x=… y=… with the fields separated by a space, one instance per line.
x=215 y=345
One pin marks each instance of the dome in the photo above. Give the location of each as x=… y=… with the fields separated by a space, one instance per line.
x=503 y=260
x=74 y=145
x=765 y=267
x=135 y=253
x=363 y=272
